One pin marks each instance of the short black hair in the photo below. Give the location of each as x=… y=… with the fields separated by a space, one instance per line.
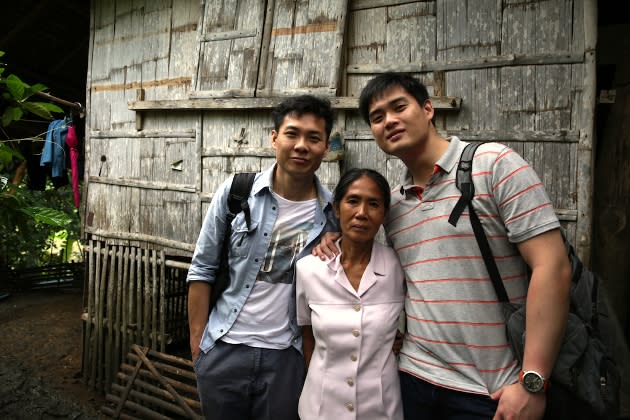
x=355 y=173
x=304 y=104
x=377 y=86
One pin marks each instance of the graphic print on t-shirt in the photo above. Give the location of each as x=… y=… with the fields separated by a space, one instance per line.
x=289 y=238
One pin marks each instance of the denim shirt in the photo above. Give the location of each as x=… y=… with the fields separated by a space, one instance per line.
x=247 y=251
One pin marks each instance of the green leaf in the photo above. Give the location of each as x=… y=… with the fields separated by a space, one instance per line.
x=32 y=90
x=48 y=216
x=38 y=87
x=50 y=107
x=37 y=109
x=16 y=87
x=12 y=113
x=7 y=153
x=2 y=53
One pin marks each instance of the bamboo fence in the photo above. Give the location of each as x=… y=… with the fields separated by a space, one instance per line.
x=133 y=296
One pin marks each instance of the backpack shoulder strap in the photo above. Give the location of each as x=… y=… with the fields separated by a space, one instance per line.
x=239 y=192
x=463 y=181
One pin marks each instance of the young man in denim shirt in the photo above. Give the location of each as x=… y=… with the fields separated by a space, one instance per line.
x=247 y=349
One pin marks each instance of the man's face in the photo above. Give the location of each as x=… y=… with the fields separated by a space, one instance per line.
x=300 y=143
x=399 y=124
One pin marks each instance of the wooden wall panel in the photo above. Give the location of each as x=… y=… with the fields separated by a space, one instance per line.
x=468 y=29
x=304 y=49
x=230 y=44
x=538 y=27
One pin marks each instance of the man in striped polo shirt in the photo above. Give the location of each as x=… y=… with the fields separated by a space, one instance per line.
x=455 y=361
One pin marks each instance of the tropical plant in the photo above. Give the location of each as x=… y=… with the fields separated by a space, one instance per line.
x=29 y=220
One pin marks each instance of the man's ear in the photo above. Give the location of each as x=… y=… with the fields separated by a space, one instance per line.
x=428 y=109
x=274 y=136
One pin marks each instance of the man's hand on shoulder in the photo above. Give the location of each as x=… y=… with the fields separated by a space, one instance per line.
x=517 y=403
x=327 y=248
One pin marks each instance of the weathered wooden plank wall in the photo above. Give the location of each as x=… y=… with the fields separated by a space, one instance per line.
x=519 y=67
x=180 y=91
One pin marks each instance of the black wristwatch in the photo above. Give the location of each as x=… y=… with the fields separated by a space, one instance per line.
x=533 y=381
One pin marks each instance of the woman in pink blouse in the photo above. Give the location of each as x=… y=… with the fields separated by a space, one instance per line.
x=349 y=308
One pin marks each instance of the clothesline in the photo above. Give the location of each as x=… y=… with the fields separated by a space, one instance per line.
x=50 y=97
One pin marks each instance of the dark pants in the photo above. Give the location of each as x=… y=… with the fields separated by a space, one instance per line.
x=422 y=400
x=241 y=382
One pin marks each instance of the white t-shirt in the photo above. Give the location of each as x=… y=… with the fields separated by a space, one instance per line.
x=264 y=319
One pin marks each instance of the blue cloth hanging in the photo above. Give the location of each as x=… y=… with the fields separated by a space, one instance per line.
x=54 y=153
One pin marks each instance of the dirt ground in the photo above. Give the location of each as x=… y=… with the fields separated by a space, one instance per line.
x=40 y=358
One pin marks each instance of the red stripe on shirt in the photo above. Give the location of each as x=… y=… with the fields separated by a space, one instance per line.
x=531 y=187
x=467 y=279
x=508 y=176
x=521 y=215
x=470 y=324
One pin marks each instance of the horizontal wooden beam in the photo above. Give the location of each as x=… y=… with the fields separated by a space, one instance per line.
x=223 y=36
x=144 y=134
x=470 y=64
x=136 y=183
x=443 y=103
x=561 y=136
x=373 y=4
x=262 y=152
x=141 y=237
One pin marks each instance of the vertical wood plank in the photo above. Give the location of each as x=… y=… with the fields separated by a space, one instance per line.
x=163 y=310
x=132 y=332
x=110 y=305
x=118 y=318
x=100 y=338
x=139 y=298
x=146 y=323
x=154 y=299
x=125 y=303
x=87 y=339
x=587 y=133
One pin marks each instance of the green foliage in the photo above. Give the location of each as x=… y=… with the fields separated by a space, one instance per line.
x=29 y=223
x=32 y=223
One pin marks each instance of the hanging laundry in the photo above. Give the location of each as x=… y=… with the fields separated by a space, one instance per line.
x=36 y=173
x=54 y=153
x=73 y=143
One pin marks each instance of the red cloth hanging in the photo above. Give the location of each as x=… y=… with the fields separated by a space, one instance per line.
x=73 y=143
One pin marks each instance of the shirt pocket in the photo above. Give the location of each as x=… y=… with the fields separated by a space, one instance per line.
x=242 y=238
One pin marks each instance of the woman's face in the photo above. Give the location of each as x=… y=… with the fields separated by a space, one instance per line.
x=361 y=210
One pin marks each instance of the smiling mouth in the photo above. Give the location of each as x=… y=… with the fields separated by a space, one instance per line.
x=395 y=135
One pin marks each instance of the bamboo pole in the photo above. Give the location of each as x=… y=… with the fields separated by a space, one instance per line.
x=97 y=317
x=164 y=383
x=147 y=296
x=131 y=303
x=126 y=369
x=87 y=350
x=154 y=299
x=109 y=342
x=163 y=312
x=139 y=324
x=124 y=303
x=118 y=315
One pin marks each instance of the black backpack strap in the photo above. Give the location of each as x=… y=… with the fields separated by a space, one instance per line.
x=463 y=181
x=239 y=192
x=237 y=202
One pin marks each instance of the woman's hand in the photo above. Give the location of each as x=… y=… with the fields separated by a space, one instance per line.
x=327 y=249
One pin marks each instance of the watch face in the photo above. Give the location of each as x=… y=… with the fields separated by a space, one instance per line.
x=533 y=382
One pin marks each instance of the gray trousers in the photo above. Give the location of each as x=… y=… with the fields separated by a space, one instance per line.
x=236 y=382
